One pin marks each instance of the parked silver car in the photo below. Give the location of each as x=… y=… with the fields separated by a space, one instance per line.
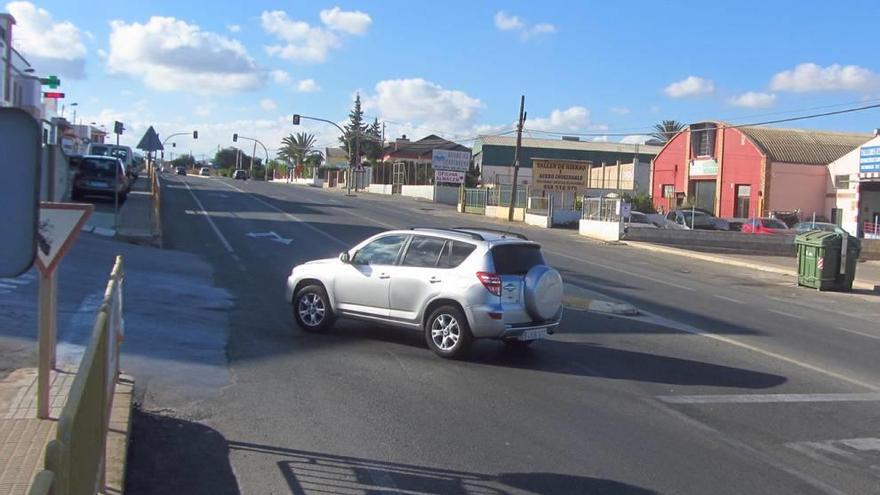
x=455 y=285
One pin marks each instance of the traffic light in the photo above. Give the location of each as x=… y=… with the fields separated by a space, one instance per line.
x=295 y=119
x=195 y=134
x=118 y=127
x=235 y=138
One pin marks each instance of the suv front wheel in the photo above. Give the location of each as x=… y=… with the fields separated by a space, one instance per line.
x=311 y=309
x=447 y=332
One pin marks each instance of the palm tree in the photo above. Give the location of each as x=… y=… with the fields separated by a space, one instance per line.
x=666 y=130
x=295 y=147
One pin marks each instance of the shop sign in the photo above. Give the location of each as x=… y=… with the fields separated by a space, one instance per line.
x=704 y=167
x=560 y=175
x=869 y=159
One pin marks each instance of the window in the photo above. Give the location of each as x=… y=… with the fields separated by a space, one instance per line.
x=382 y=251
x=104 y=169
x=841 y=181
x=668 y=190
x=455 y=253
x=516 y=259
x=423 y=251
x=703 y=139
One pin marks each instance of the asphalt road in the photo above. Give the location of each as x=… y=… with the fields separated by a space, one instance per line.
x=731 y=382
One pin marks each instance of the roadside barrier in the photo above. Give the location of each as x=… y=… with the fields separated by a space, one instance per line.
x=75 y=459
x=156 y=211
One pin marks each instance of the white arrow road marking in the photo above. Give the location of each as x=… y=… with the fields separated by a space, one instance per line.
x=272 y=236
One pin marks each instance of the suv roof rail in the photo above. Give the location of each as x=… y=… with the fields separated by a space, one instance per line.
x=495 y=231
x=472 y=235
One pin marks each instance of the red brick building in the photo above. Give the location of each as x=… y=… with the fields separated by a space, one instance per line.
x=747 y=171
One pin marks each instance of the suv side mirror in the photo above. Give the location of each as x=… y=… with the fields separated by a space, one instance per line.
x=344 y=257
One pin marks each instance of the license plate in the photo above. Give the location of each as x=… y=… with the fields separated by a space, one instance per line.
x=538 y=333
x=97 y=184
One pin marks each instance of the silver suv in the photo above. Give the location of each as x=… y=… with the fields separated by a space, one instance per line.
x=455 y=285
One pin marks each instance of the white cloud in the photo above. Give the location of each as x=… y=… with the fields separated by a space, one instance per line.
x=204 y=110
x=753 y=99
x=600 y=139
x=279 y=76
x=506 y=22
x=655 y=108
x=620 y=110
x=302 y=41
x=307 y=86
x=812 y=77
x=417 y=102
x=354 y=22
x=233 y=28
x=268 y=104
x=635 y=139
x=52 y=47
x=169 y=54
x=571 y=119
x=690 y=86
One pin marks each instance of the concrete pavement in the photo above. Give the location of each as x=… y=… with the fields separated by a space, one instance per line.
x=588 y=408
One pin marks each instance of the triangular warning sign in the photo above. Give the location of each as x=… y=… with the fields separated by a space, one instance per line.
x=150 y=141
x=60 y=223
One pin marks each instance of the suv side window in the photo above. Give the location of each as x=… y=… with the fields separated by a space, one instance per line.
x=382 y=251
x=423 y=251
x=455 y=253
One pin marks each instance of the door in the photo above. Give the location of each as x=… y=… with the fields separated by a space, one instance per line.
x=704 y=194
x=417 y=278
x=743 y=194
x=362 y=285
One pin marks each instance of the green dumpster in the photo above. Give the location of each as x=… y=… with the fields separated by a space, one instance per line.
x=819 y=254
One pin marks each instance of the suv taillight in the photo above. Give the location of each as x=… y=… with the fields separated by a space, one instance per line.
x=491 y=281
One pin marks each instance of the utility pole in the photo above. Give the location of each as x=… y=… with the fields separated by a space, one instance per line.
x=519 y=129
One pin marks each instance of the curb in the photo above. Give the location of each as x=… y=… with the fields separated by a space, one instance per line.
x=599 y=306
x=727 y=261
x=118 y=436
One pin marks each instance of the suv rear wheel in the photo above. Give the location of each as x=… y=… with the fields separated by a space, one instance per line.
x=447 y=332
x=311 y=309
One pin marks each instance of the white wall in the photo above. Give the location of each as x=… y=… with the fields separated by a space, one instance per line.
x=603 y=231
x=538 y=220
x=379 y=188
x=426 y=192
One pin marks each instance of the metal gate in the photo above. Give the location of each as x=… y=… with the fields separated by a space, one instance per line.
x=398 y=177
x=475 y=200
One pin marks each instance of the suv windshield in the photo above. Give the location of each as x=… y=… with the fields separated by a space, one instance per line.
x=516 y=259
x=120 y=153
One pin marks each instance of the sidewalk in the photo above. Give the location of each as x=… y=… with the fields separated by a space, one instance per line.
x=867 y=272
x=135 y=216
x=23 y=437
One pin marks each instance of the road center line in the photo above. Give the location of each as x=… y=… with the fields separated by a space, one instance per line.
x=210 y=221
x=291 y=216
x=856 y=332
x=657 y=280
x=783 y=313
x=728 y=299
x=683 y=327
x=768 y=398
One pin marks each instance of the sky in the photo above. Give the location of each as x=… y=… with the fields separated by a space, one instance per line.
x=606 y=70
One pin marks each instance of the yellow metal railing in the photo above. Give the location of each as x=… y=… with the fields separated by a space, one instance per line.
x=75 y=458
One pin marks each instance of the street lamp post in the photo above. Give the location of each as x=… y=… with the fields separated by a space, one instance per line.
x=351 y=157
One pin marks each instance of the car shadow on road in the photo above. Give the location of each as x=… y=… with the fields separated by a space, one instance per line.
x=312 y=472
x=171 y=455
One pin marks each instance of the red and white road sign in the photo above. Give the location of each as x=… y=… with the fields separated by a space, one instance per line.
x=820 y=263
x=60 y=223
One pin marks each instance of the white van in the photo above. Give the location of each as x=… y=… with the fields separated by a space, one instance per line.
x=122 y=152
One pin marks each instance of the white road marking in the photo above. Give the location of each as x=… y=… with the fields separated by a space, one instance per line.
x=783 y=313
x=657 y=280
x=856 y=332
x=728 y=299
x=211 y=222
x=683 y=327
x=767 y=398
x=8 y=286
x=291 y=216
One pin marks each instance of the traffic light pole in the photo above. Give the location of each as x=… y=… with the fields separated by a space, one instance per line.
x=351 y=156
x=256 y=141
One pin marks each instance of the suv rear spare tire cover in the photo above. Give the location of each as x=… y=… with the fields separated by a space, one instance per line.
x=543 y=292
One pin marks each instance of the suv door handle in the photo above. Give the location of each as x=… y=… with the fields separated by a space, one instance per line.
x=434 y=280
x=384 y=276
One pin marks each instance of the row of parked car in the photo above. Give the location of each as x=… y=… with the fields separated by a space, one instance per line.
x=106 y=170
x=704 y=220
